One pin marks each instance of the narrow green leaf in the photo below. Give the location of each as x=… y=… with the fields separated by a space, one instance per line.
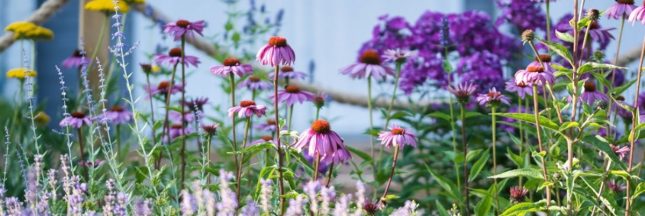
x=559 y=49
x=545 y=122
x=524 y=172
x=366 y=157
x=478 y=166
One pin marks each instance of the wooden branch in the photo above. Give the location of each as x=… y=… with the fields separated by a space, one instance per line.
x=46 y=10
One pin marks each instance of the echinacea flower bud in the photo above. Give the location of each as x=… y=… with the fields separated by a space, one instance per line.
x=528 y=36
x=370 y=208
x=518 y=193
x=593 y=14
x=146 y=68
x=210 y=129
x=319 y=101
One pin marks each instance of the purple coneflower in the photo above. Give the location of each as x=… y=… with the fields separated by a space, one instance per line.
x=75 y=120
x=520 y=88
x=210 y=129
x=292 y=94
x=621 y=151
x=184 y=28
x=620 y=9
x=546 y=62
x=162 y=89
x=276 y=52
x=270 y=125
x=534 y=75
x=590 y=95
x=287 y=72
x=638 y=14
x=518 y=193
x=368 y=65
x=600 y=34
x=493 y=98
x=254 y=83
x=398 y=55
x=116 y=115
x=247 y=109
x=230 y=66
x=76 y=60
x=463 y=91
x=320 y=140
x=196 y=104
x=177 y=117
x=264 y=139
x=177 y=130
x=397 y=136
x=175 y=57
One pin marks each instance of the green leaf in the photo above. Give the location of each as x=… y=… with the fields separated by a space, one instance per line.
x=564 y=36
x=601 y=144
x=524 y=172
x=484 y=205
x=620 y=89
x=366 y=157
x=257 y=148
x=592 y=66
x=444 y=183
x=559 y=49
x=478 y=166
x=442 y=211
x=545 y=122
x=521 y=209
x=568 y=125
x=440 y=115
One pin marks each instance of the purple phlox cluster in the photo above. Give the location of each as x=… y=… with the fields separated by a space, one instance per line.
x=521 y=14
x=484 y=68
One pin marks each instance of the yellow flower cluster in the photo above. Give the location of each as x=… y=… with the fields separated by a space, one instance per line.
x=20 y=73
x=106 y=6
x=29 y=30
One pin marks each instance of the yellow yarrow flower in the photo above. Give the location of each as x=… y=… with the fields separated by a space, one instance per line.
x=29 y=30
x=106 y=6
x=20 y=73
x=42 y=118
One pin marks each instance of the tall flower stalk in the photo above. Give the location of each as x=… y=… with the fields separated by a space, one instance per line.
x=183 y=111
x=396 y=137
x=632 y=137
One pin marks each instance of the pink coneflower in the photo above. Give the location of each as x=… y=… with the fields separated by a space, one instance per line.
x=518 y=193
x=264 y=139
x=270 y=125
x=177 y=130
x=292 y=94
x=196 y=104
x=619 y=9
x=174 y=57
x=76 y=60
x=177 y=117
x=230 y=66
x=398 y=55
x=602 y=35
x=520 y=88
x=320 y=140
x=287 y=72
x=162 y=89
x=493 y=98
x=546 y=62
x=369 y=65
x=247 y=109
x=210 y=129
x=276 y=52
x=590 y=95
x=255 y=83
x=116 y=115
x=621 y=151
x=75 y=120
x=185 y=28
x=397 y=136
x=463 y=91
x=534 y=75
x=638 y=15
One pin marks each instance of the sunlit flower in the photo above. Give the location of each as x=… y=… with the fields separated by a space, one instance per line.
x=398 y=55
x=320 y=140
x=230 y=66
x=518 y=193
x=520 y=88
x=620 y=9
x=76 y=60
x=247 y=109
x=368 y=65
x=534 y=75
x=276 y=52
x=184 y=28
x=254 y=83
x=638 y=14
x=106 y=6
x=29 y=31
x=292 y=94
x=287 y=72
x=116 y=115
x=175 y=57
x=621 y=151
x=397 y=136
x=162 y=89
x=590 y=95
x=463 y=91
x=20 y=73
x=493 y=98
x=75 y=120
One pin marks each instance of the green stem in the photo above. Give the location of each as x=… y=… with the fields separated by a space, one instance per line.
x=277 y=120
x=548 y=20
x=632 y=140
x=247 y=128
x=392 y=171
x=521 y=129
x=316 y=166
x=454 y=141
x=538 y=129
x=290 y=117
x=152 y=113
x=183 y=111
x=234 y=137
x=208 y=158
x=166 y=123
x=371 y=122
x=464 y=142
x=397 y=76
x=317 y=113
x=330 y=174
x=494 y=129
